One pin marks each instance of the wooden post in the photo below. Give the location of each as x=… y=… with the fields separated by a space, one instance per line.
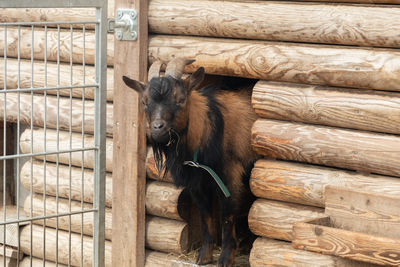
x=129 y=172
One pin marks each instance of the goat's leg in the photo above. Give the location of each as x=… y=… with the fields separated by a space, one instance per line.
x=204 y=205
x=229 y=243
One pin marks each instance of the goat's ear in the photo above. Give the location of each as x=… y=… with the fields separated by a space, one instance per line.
x=196 y=79
x=135 y=85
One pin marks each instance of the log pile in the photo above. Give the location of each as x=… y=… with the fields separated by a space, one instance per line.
x=328 y=100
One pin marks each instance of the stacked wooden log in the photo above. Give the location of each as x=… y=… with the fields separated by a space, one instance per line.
x=328 y=102
x=64 y=183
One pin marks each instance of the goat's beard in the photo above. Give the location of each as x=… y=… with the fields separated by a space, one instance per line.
x=165 y=155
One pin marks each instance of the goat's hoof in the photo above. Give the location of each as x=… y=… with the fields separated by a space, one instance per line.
x=205 y=255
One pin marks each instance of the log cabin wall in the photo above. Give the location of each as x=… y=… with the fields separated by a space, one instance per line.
x=328 y=100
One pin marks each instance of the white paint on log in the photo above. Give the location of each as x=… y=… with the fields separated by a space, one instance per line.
x=348 y=108
x=350 y=149
x=64 y=144
x=286 y=62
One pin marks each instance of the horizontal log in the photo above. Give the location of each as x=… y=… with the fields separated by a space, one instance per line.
x=305 y=184
x=80 y=77
x=52 y=14
x=26 y=262
x=156 y=259
x=49 y=173
x=50 y=241
x=38 y=204
x=285 y=62
x=37 y=135
x=165 y=200
x=83 y=45
x=267 y=20
x=349 y=149
x=53 y=112
x=269 y=252
x=167 y=235
x=348 y=108
x=161 y=234
x=275 y=219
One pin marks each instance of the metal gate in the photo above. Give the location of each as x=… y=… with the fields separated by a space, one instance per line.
x=52 y=123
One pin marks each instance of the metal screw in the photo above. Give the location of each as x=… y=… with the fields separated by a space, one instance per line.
x=134 y=35
x=119 y=14
x=133 y=14
x=118 y=34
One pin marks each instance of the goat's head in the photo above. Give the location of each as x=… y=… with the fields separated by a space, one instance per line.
x=165 y=98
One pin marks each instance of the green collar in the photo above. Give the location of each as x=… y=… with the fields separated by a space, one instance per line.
x=195 y=163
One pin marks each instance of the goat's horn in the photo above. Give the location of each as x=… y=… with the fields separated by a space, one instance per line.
x=154 y=70
x=176 y=66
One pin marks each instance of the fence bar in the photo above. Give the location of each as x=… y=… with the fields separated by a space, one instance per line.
x=4 y=142
x=100 y=137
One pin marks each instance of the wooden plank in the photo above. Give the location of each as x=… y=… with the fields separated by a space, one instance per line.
x=305 y=184
x=46 y=109
x=52 y=45
x=347 y=108
x=323 y=237
x=286 y=62
x=349 y=149
x=52 y=14
x=268 y=20
x=64 y=144
x=129 y=175
x=80 y=77
x=365 y=212
x=275 y=219
x=269 y=252
x=63 y=244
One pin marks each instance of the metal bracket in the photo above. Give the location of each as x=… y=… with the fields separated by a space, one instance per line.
x=125 y=25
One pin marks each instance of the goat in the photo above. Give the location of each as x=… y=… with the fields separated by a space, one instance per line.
x=184 y=118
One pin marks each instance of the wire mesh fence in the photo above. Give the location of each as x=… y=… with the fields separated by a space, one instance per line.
x=52 y=116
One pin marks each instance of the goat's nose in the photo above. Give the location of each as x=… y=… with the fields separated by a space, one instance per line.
x=157 y=125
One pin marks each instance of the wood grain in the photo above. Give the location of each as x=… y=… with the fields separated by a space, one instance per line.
x=53 y=14
x=62 y=206
x=270 y=252
x=52 y=45
x=348 y=108
x=163 y=200
x=129 y=175
x=80 y=77
x=167 y=235
x=51 y=110
x=275 y=219
x=37 y=135
x=156 y=259
x=285 y=62
x=49 y=172
x=26 y=262
x=305 y=184
x=347 y=244
x=268 y=20
x=365 y=212
x=349 y=149
x=63 y=241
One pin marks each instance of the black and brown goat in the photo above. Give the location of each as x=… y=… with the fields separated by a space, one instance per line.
x=182 y=118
